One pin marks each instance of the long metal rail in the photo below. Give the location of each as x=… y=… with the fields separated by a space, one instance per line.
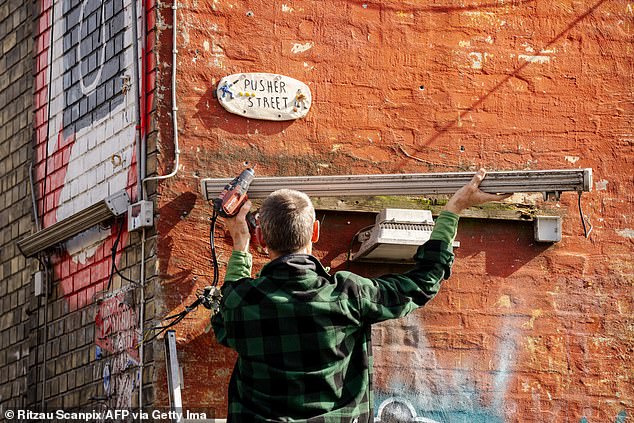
x=545 y=181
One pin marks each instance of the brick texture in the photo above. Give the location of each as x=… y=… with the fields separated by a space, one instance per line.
x=16 y=211
x=522 y=332
x=68 y=109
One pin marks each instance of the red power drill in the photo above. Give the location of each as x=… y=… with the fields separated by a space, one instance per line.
x=228 y=204
x=234 y=194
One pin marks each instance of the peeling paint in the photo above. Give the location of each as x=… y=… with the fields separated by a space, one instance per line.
x=533 y=345
x=529 y=49
x=541 y=57
x=477 y=59
x=601 y=185
x=483 y=18
x=402 y=14
x=300 y=48
x=504 y=302
x=571 y=159
x=626 y=233
x=534 y=58
x=534 y=315
x=216 y=49
x=286 y=8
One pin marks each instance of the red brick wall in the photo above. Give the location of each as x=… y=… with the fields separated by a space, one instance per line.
x=522 y=332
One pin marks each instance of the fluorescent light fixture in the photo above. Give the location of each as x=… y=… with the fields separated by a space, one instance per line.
x=114 y=205
x=545 y=181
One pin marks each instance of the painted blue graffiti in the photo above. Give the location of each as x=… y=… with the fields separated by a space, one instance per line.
x=620 y=418
x=444 y=395
x=451 y=396
x=398 y=410
x=401 y=410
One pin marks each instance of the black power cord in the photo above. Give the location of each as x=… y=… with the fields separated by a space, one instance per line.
x=209 y=297
x=113 y=254
x=214 y=255
x=175 y=319
x=584 y=219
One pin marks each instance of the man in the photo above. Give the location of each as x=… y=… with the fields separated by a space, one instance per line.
x=303 y=335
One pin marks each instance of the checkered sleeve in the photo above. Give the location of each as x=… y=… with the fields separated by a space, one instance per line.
x=396 y=295
x=218 y=325
x=238 y=267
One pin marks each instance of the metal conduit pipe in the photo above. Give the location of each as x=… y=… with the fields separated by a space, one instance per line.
x=143 y=191
x=141 y=160
x=137 y=93
x=174 y=103
x=33 y=200
x=48 y=133
x=141 y=322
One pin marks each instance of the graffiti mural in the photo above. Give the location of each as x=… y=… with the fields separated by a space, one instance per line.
x=116 y=325
x=448 y=395
x=85 y=127
x=116 y=333
x=395 y=410
x=620 y=418
x=86 y=117
x=444 y=391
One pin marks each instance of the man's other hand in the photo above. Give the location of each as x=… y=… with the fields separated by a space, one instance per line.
x=471 y=195
x=238 y=228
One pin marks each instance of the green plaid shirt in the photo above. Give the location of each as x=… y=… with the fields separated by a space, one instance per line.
x=303 y=335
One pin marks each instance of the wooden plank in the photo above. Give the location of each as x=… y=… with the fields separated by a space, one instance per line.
x=493 y=211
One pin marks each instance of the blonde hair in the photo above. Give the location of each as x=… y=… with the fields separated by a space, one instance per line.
x=286 y=220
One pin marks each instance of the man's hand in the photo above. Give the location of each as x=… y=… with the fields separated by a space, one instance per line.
x=470 y=195
x=239 y=230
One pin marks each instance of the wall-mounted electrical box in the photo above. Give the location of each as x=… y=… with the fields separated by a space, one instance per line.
x=547 y=228
x=39 y=283
x=396 y=236
x=140 y=215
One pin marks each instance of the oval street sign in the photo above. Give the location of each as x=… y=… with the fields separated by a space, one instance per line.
x=265 y=96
